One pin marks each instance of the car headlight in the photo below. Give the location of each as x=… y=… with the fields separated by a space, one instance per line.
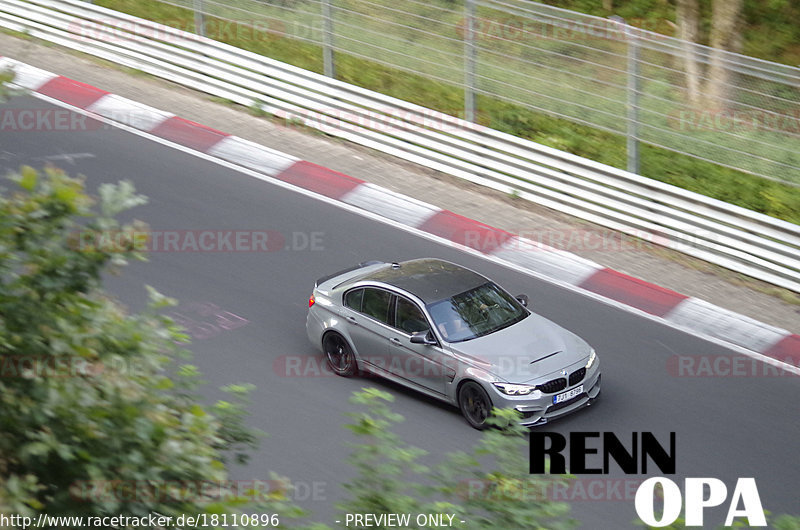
x=592 y=358
x=515 y=390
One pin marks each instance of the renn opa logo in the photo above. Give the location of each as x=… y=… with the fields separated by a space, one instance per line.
x=745 y=501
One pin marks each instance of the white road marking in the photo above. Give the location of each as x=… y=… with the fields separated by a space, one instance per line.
x=70 y=158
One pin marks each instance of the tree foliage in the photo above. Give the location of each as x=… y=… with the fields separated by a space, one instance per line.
x=488 y=488
x=98 y=411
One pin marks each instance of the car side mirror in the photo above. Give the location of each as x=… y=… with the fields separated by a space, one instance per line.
x=522 y=299
x=423 y=337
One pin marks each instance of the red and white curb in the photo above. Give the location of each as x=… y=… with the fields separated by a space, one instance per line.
x=690 y=314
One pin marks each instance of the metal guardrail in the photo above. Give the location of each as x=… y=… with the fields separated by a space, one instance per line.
x=739 y=239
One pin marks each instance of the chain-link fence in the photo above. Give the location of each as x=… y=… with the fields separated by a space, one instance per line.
x=725 y=108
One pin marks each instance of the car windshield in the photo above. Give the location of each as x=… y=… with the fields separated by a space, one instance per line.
x=475 y=313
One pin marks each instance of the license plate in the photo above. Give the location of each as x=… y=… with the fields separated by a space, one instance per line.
x=569 y=394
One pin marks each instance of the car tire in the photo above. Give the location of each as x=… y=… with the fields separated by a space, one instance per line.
x=475 y=404
x=339 y=354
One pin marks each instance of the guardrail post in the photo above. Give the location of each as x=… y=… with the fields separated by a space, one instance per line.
x=199 y=18
x=633 y=99
x=329 y=66
x=470 y=60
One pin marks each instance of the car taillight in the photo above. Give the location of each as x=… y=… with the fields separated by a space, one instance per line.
x=311 y=300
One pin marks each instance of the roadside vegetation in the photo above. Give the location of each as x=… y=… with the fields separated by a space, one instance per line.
x=763 y=195
x=97 y=404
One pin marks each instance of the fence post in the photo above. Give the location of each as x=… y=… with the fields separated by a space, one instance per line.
x=199 y=18
x=470 y=60
x=328 y=64
x=633 y=99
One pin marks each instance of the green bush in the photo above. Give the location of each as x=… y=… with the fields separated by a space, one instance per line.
x=89 y=393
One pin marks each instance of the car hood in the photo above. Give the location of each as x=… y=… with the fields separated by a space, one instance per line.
x=529 y=350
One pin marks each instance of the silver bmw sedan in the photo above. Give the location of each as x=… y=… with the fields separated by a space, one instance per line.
x=450 y=333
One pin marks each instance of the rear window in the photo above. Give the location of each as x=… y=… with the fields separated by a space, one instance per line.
x=353 y=299
x=376 y=304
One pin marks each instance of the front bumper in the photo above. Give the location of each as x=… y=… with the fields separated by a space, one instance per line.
x=542 y=410
x=537 y=417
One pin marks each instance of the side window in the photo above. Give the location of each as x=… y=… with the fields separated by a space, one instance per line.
x=353 y=299
x=409 y=317
x=376 y=304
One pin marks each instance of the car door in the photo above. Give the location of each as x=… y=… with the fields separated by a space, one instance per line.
x=367 y=316
x=426 y=365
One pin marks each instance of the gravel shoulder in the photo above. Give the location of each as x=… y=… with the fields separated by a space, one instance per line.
x=664 y=267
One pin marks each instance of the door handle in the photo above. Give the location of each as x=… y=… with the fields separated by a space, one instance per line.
x=395 y=340
x=352 y=320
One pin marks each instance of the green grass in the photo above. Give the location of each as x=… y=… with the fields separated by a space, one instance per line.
x=759 y=194
x=18 y=34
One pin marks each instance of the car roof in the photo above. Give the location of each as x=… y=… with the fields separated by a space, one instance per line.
x=428 y=279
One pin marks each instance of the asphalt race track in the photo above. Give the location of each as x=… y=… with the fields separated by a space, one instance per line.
x=727 y=427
